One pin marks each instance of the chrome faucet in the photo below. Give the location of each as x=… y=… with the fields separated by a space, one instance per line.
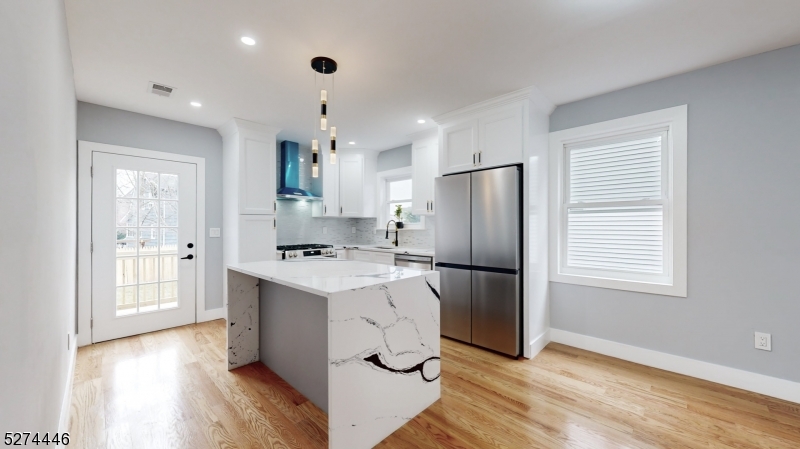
x=397 y=227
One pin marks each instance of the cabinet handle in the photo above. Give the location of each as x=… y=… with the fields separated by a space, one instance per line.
x=275 y=206
x=340 y=210
x=479 y=157
x=325 y=210
x=428 y=205
x=274 y=223
x=431 y=205
x=473 y=159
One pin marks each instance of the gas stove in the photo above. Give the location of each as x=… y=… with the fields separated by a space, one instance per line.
x=306 y=250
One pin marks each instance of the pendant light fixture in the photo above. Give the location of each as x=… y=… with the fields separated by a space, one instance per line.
x=325 y=66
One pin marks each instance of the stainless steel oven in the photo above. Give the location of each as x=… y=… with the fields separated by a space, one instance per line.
x=418 y=262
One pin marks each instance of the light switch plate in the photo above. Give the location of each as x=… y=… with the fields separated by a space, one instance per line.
x=213 y=232
x=763 y=341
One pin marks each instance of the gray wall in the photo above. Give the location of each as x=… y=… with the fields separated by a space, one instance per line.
x=744 y=223
x=394 y=158
x=129 y=129
x=38 y=166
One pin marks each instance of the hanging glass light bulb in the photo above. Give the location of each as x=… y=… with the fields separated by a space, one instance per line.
x=323 y=121
x=333 y=144
x=314 y=159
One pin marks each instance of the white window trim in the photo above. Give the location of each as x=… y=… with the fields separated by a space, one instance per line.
x=675 y=120
x=383 y=218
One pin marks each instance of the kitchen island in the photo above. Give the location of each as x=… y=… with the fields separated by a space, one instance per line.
x=359 y=340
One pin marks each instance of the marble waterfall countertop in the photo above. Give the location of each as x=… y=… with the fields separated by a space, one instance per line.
x=366 y=335
x=325 y=276
x=394 y=249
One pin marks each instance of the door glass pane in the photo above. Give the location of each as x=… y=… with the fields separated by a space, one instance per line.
x=148 y=269
x=169 y=213
x=169 y=295
x=148 y=185
x=169 y=267
x=126 y=271
x=126 y=242
x=126 y=184
x=169 y=241
x=148 y=297
x=126 y=300
x=169 y=187
x=146 y=241
x=148 y=213
x=126 y=212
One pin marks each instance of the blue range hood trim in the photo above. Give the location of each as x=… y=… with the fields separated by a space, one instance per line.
x=290 y=174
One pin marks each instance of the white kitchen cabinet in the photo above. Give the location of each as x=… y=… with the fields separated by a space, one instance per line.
x=249 y=167
x=373 y=257
x=485 y=135
x=257 y=238
x=500 y=137
x=424 y=169
x=329 y=206
x=459 y=146
x=349 y=187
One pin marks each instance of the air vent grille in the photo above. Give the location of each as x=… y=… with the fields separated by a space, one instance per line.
x=160 y=89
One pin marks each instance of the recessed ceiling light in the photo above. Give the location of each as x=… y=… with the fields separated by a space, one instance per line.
x=420 y=121
x=351 y=143
x=248 y=40
x=195 y=104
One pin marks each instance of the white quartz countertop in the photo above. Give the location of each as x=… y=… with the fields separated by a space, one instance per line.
x=326 y=275
x=395 y=249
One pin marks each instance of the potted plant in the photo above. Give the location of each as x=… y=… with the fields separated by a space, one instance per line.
x=398 y=216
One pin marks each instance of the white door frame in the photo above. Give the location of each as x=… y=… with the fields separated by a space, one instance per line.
x=85 y=150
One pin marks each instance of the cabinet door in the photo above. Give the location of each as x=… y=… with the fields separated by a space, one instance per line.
x=351 y=185
x=459 y=145
x=257 y=238
x=384 y=258
x=433 y=172
x=420 y=175
x=363 y=256
x=329 y=206
x=500 y=137
x=257 y=186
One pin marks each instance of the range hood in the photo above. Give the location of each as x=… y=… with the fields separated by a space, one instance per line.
x=290 y=174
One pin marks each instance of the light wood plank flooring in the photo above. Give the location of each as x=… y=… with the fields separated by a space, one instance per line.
x=171 y=389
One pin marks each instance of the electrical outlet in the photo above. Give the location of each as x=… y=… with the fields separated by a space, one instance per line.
x=324 y=229
x=353 y=230
x=763 y=341
x=213 y=232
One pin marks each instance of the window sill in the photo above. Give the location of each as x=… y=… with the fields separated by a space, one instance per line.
x=619 y=284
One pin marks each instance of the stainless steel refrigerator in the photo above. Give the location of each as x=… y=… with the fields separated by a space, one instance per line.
x=479 y=258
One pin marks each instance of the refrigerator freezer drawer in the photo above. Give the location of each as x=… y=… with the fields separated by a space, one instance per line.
x=456 y=303
x=495 y=311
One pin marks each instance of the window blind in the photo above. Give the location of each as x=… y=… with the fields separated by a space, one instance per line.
x=620 y=233
x=616 y=172
x=616 y=238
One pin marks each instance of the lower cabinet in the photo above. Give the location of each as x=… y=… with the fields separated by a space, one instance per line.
x=374 y=257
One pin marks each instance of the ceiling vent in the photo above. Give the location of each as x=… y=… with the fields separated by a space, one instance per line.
x=161 y=90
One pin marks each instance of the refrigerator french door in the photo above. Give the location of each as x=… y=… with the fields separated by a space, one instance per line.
x=478 y=234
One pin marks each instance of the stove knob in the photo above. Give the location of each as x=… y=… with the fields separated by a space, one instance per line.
x=294 y=253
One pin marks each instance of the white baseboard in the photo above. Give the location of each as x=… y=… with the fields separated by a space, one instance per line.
x=213 y=314
x=66 y=401
x=538 y=343
x=732 y=377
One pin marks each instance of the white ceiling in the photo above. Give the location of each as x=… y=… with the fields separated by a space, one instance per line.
x=398 y=60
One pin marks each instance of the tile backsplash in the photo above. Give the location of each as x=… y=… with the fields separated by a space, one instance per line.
x=296 y=225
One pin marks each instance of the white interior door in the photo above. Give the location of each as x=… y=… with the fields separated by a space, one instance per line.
x=143 y=245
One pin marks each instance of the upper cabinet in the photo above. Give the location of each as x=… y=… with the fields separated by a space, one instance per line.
x=424 y=169
x=348 y=186
x=250 y=166
x=488 y=134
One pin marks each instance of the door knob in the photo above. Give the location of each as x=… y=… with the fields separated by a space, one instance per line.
x=190 y=257
x=191 y=245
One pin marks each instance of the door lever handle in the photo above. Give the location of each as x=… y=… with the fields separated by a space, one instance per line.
x=190 y=257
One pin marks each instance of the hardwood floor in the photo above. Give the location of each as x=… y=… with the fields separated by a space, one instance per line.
x=171 y=389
